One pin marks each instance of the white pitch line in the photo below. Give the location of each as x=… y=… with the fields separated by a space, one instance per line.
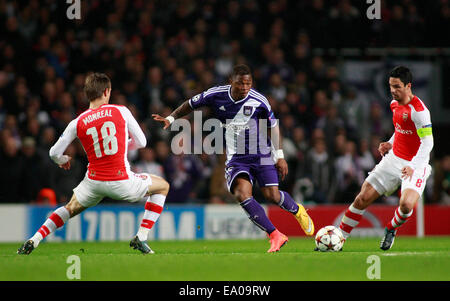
x=414 y=253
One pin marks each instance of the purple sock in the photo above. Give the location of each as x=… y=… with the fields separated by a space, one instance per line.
x=257 y=215
x=288 y=203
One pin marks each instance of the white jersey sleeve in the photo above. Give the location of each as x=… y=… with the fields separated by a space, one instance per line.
x=422 y=121
x=57 y=150
x=137 y=136
x=391 y=140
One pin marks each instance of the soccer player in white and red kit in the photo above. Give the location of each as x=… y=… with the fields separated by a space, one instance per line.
x=106 y=132
x=405 y=159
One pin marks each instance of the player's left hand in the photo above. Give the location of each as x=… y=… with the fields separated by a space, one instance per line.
x=282 y=168
x=407 y=173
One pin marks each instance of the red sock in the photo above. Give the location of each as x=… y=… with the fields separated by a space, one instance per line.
x=399 y=219
x=350 y=220
x=56 y=220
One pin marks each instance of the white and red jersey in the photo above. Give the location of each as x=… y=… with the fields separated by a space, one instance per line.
x=105 y=134
x=412 y=123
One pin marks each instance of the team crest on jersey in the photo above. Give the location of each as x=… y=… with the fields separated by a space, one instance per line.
x=405 y=116
x=248 y=110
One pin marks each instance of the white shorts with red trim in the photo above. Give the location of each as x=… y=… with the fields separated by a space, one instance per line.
x=386 y=177
x=90 y=192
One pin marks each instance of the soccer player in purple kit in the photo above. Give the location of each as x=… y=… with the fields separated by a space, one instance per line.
x=240 y=108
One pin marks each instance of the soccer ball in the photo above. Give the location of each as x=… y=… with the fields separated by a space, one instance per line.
x=329 y=238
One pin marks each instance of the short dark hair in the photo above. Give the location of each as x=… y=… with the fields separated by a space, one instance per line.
x=403 y=73
x=95 y=84
x=241 y=70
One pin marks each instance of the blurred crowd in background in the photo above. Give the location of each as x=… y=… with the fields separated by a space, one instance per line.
x=160 y=53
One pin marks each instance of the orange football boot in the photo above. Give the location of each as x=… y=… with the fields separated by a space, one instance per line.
x=277 y=240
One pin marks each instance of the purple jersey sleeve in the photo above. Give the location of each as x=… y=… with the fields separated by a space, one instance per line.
x=199 y=100
x=268 y=114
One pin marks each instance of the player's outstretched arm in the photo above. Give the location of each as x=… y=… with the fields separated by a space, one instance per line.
x=137 y=136
x=56 y=152
x=181 y=111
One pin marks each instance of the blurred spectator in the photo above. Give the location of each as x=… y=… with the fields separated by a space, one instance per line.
x=153 y=88
x=208 y=162
x=365 y=159
x=218 y=184
x=441 y=181
x=223 y=65
x=345 y=25
x=184 y=174
x=277 y=64
x=147 y=164
x=46 y=196
x=380 y=124
x=277 y=89
x=316 y=21
x=2 y=111
x=33 y=172
x=331 y=124
x=355 y=112
x=319 y=106
x=397 y=30
x=318 y=168
x=250 y=43
x=11 y=167
x=348 y=173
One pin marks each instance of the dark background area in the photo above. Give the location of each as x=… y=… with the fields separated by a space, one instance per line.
x=160 y=53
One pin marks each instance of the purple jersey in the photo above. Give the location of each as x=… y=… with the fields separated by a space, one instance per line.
x=246 y=123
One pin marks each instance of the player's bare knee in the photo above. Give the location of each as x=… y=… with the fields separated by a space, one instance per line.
x=158 y=186
x=408 y=200
x=241 y=195
x=69 y=208
x=272 y=195
x=406 y=208
x=73 y=209
x=406 y=205
x=165 y=187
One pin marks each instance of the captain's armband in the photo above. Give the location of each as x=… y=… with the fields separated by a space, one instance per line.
x=424 y=131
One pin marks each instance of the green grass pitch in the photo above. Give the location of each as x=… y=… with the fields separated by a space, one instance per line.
x=410 y=259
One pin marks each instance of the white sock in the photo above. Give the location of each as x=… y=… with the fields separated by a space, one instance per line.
x=37 y=237
x=143 y=233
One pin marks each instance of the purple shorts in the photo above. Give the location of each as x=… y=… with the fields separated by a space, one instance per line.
x=265 y=175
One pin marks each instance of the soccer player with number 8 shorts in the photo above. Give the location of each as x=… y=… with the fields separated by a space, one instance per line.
x=405 y=160
x=107 y=132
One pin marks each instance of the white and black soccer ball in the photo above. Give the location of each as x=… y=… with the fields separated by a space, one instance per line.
x=329 y=238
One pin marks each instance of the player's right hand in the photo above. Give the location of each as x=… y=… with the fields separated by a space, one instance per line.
x=282 y=168
x=66 y=166
x=158 y=117
x=384 y=148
